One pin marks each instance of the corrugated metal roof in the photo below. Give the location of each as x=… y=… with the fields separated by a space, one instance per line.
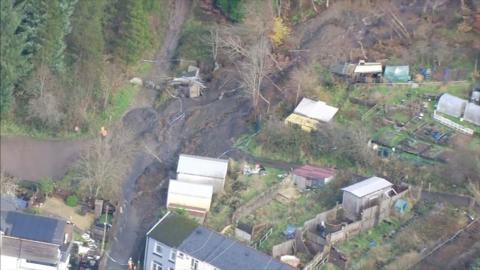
x=316 y=109
x=33 y=227
x=367 y=186
x=314 y=172
x=203 y=166
x=472 y=113
x=451 y=105
x=368 y=68
x=189 y=189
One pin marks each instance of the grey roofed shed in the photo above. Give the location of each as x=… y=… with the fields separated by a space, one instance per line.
x=451 y=105
x=472 y=113
x=368 y=186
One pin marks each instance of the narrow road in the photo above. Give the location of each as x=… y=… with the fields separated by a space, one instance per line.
x=30 y=159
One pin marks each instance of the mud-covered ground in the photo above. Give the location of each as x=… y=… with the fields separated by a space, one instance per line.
x=209 y=125
x=456 y=254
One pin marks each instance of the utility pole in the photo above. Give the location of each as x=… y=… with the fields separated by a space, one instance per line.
x=104 y=230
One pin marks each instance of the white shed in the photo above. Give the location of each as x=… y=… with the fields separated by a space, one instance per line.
x=364 y=194
x=195 y=198
x=202 y=170
x=317 y=110
x=368 y=68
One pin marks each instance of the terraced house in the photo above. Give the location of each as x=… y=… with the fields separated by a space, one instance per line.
x=34 y=242
x=179 y=243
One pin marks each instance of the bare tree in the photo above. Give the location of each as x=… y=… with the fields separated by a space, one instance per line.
x=112 y=78
x=104 y=165
x=250 y=56
x=8 y=185
x=46 y=109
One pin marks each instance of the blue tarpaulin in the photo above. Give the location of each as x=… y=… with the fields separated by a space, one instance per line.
x=290 y=230
x=400 y=205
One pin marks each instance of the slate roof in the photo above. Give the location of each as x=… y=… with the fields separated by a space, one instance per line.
x=368 y=186
x=227 y=254
x=33 y=227
x=451 y=105
x=318 y=110
x=211 y=247
x=472 y=113
x=314 y=172
x=202 y=166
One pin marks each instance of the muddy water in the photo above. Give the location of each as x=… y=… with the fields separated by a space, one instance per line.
x=30 y=159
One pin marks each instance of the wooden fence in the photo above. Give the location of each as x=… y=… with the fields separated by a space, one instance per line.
x=261 y=199
x=285 y=248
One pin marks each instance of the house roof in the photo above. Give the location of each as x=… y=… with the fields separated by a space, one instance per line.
x=367 y=186
x=189 y=189
x=451 y=105
x=397 y=73
x=318 y=110
x=314 y=172
x=202 y=166
x=209 y=246
x=172 y=229
x=363 y=67
x=33 y=227
x=227 y=254
x=472 y=113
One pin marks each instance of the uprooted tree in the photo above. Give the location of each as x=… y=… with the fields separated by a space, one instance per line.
x=103 y=166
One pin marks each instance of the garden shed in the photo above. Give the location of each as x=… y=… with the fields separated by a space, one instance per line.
x=309 y=113
x=364 y=194
x=451 y=105
x=397 y=73
x=194 y=198
x=472 y=113
x=309 y=177
x=202 y=170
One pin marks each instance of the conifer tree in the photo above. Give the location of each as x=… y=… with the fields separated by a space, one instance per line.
x=137 y=37
x=13 y=63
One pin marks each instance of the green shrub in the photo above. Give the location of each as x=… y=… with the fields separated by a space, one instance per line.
x=233 y=9
x=71 y=200
x=46 y=185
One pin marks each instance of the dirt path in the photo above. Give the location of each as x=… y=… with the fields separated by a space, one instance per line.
x=30 y=159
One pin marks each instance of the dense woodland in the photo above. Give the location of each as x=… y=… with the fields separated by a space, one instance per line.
x=60 y=56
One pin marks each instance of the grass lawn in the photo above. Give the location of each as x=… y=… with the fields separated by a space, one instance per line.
x=256 y=184
x=278 y=214
x=56 y=206
x=397 y=244
x=253 y=185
